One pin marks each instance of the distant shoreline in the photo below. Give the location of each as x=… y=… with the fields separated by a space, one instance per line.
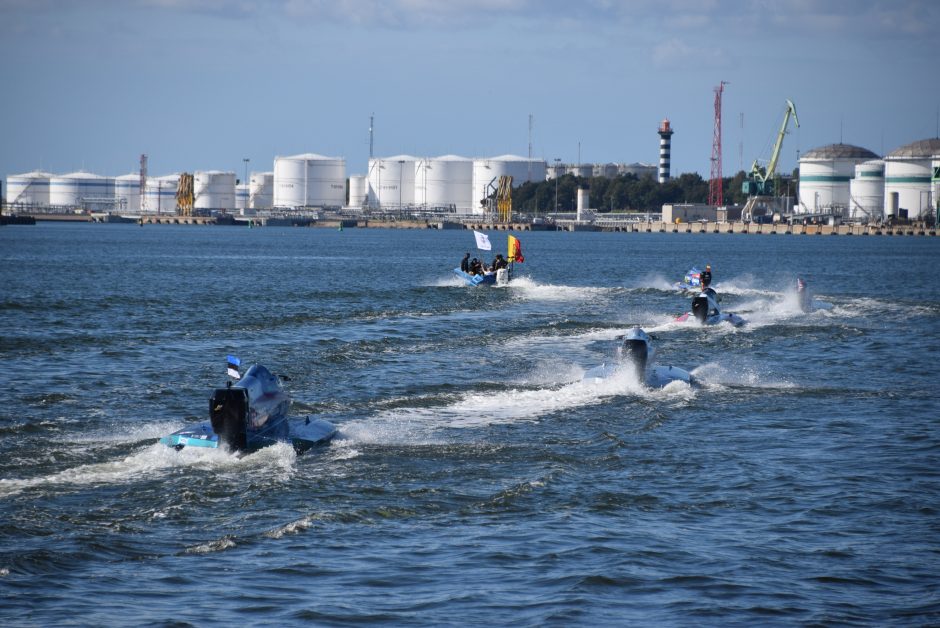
x=737 y=227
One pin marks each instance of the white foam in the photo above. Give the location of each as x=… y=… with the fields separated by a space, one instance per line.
x=153 y=461
x=528 y=288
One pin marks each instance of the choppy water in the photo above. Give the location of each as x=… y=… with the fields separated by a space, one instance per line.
x=476 y=479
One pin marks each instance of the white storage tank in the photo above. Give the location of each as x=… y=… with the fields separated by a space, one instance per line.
x=309 y=180
x=82 y=189
x=555 y=170
x=908 y=173
x=392 y=181
x=581 y=170
x=608 y=171
x=637 y=169
x=127 y=192
x=444 y=182
x=867 y=191
x=213 y=190
x=241 y=196
x=261 y=190
x=160 y=194
x=359 y=190
x=486 y=174
x=825 y=173
x=31 y=188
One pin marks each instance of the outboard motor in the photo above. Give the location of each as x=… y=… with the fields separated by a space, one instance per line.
x=636 y=349
x=700 y=307
x=251 y=412
x=803 y=295
x=228 y=411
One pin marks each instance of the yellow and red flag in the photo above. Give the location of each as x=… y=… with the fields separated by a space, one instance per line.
x=515 y=250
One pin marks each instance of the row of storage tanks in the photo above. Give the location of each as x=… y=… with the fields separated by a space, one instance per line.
x=212 y=190
x=307 y=180
x=839 y=177
x=854 y=182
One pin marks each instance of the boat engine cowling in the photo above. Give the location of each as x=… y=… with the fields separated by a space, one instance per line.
x=228 y=411
x=635 y=349
x=700 y=307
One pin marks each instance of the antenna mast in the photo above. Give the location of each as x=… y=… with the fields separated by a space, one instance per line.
x=371 y=127
x=143 y=183
x=716 y=183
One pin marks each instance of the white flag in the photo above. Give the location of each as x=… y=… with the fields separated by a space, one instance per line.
x=483 y=241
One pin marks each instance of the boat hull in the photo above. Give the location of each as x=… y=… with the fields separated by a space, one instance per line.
x=301 y=434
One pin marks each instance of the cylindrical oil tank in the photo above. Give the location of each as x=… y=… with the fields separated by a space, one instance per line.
x=637 y=169
x=359 y=190
x=867 y=191
x=309 y=180
x=127 y=192
x=486 y=174
x=213 y=190
x=28 y=189
x=825 y=173
x=160 y=194
x=555 y=170
x=908 y=171
x=82 y=189
x=261 y=190
x=392 y=181
x=444 y=183
x=241 y=196
x=581 y=170
x=608 y=171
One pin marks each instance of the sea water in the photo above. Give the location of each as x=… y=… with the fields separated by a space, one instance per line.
x=476 y=479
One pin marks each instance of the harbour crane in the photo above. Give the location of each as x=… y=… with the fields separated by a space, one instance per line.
x=759 y=185
x=760 y=180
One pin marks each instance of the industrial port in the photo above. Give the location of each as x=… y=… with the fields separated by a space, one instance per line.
x=842 y=187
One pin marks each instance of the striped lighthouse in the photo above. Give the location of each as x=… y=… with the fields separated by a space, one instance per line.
x=665 y=144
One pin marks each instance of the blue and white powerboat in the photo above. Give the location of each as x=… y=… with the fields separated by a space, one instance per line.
x=635 y=352
x=692 y=282
x=486 y=278
x=475 y=273
x=705 y=310
x=251 y=414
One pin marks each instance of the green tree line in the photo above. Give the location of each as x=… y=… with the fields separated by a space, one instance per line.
x=629 y=193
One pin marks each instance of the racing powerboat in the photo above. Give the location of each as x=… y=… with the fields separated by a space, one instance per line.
x=705 y=310
x=251 y=414
x=804 y=298
x=635 y=351
x=692 y=282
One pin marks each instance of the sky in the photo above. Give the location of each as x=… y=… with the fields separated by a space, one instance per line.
x=206 y=84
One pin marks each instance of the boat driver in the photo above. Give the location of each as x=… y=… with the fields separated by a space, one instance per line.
x=706 y=277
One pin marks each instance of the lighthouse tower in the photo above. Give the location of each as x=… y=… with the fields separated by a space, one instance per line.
x=665 y=144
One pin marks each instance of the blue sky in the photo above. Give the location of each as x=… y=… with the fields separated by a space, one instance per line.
x=202 y=84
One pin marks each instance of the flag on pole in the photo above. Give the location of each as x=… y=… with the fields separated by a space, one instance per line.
x=233 y=364
x=483 y=241
x=515 y=250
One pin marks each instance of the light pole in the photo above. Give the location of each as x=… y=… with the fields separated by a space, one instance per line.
x=557 y=165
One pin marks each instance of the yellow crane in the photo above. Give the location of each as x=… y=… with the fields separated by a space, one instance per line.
x=504 y=198
x=184 y=195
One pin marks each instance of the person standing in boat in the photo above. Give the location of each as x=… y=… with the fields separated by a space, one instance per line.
x=465 y=263
x=706 y=277
x=499 y=262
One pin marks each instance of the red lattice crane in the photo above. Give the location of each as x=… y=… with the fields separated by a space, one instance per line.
x=715 y=182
